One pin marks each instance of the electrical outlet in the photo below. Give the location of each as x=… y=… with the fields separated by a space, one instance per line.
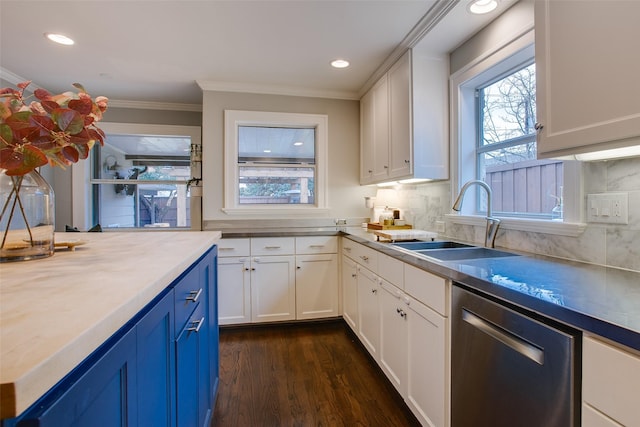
x=609 y=208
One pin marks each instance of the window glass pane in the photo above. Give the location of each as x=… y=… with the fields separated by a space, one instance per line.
x=521 y=184
x=138 y=192
x=276 y=144
x=509 y=107
x=276 y=185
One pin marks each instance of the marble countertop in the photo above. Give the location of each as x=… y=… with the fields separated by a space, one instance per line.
x=600 y=300
x=54 y=312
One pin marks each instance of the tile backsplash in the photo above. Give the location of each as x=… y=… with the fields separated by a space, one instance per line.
x=425 y=205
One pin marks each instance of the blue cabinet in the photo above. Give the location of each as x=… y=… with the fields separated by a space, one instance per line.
x=102 y=395
x=155 y=360
x=160 y=369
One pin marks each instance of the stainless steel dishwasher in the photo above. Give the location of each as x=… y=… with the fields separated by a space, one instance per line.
x=509 y=369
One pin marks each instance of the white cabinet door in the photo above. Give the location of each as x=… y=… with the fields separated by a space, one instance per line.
x=273 y=288
x=367 y=130
x=611 y=381
x=316 y=286
x=234 y=290
x=428 y=386
x=381 y=130
x=369 y=311
x=393 y=336
x=400 y=123
x=350 y=293
x=587 y=75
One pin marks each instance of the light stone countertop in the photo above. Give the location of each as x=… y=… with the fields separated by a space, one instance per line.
x=54 y=312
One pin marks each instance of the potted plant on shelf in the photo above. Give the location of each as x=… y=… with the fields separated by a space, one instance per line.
x=58 y=130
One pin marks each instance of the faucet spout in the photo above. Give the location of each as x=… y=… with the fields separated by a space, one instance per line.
x=492 y=223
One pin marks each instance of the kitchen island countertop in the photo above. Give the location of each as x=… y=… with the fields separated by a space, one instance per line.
x=54 y=312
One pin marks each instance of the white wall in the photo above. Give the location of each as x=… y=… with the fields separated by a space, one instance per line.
x=345 y=196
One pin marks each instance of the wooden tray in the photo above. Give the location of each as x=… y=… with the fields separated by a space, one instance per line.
x=378 y=226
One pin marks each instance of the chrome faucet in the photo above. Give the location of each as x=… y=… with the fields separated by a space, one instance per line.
x=492 y=223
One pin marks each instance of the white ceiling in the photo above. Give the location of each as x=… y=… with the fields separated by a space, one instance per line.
x=165 y=51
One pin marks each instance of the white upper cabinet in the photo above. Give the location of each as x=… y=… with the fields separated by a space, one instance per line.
x=404 y=122
x=587 y=66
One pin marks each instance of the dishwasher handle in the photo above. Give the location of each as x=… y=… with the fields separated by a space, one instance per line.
x=504 y=336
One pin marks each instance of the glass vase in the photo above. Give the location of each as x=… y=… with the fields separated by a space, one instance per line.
x=26 y=217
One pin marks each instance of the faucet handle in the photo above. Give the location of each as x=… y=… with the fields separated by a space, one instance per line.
x=491 y=232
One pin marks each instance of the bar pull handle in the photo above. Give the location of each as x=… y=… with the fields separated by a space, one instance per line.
x=504 y=336
x=196 y=325
x=194 y=295
x=272 y=247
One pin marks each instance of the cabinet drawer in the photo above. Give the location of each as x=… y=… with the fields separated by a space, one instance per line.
x=272 y=246
x=611 y=381
x=429 y=289
x=391 y=269
x=234 y=247
x=362 y=254
x=188 y=293
x=316 y=245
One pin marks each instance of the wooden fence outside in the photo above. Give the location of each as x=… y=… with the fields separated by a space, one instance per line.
x=541 y=181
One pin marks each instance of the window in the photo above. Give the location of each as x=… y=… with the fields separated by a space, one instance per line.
x=494 y=100
x=506 y=148
x=139 y=179
x=274 y=162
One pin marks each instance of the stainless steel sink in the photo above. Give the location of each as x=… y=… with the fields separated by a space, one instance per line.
x=417 y=246
x=471 y=252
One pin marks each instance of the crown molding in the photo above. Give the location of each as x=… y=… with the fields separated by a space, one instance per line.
x=151 y=105
x=217 y=86
x=16 y=79
x=430 y=19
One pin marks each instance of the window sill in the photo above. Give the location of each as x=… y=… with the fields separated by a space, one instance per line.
x=276 y=211
x=522 y=224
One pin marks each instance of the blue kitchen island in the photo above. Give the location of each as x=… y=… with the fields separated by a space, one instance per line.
x=122 y=330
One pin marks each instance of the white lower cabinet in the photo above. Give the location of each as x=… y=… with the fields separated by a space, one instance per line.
x=428 y=364
x=234 y=290
x=273 y=288
x=268 y=279
x=610 y=385
x=402 y=320
x=394 y=336
x=369 y=311
x=316 y=286
x=350 y=292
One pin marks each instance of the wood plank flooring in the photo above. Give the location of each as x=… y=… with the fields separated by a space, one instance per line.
x=308 y=374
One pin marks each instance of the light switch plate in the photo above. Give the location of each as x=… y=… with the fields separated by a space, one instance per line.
x=609 y=208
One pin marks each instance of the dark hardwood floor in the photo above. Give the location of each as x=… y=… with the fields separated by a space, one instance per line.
x=308 y=374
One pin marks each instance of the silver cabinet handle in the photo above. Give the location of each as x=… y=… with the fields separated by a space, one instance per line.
x=226 y=249
x=407 y=161
x=401 y=312
x=272 y=247
x=539 y=126
x=194 y=295
x=504 y=336
x=316 y=246
x=196 y=325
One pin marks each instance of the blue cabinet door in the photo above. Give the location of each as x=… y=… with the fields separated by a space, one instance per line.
x=188 y=353
x=156 y=361
x=105 y=396
x=210 y=271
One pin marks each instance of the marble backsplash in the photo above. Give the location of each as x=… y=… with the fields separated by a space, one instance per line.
x=425 y=206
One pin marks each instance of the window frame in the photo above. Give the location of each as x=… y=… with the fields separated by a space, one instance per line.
x=233 y=119
x=464 y=130
x=82 y=180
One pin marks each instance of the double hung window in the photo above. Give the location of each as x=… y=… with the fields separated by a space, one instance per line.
x=274 y=162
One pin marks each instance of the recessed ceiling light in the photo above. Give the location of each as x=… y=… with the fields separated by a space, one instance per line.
x=59 y=38
x=480 y=7
x=339 y=63
x=297 y=144
x=266 y=151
